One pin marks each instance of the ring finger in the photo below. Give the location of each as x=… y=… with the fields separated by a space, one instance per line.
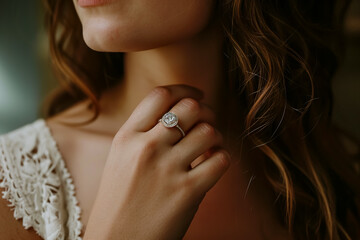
x=189 y=112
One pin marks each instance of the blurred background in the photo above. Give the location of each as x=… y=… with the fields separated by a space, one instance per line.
x=25 y=69
x=26 y=78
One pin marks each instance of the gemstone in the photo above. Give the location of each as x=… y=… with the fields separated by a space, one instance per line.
x=169 y=120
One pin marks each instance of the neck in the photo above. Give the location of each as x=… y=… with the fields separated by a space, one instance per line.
x=197 y=62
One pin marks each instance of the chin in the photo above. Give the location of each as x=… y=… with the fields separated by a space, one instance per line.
x=136 y=25
x=109 y=43
x=104 y=37
x=107 y=36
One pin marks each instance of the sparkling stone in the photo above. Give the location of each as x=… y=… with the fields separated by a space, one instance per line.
x=169 y=119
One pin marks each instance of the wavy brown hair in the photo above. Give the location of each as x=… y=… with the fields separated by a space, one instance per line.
x=280 y=59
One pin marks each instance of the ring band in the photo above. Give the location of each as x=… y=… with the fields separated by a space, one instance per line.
x=170 y=120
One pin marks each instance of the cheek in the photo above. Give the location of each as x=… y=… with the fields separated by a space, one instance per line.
x=145 y=25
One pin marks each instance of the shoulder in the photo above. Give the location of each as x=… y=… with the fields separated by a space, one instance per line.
x=26 y=154
x=18 y=150
x=28 y=161
x=10 y=228
x=13 y=147
x=24 y=139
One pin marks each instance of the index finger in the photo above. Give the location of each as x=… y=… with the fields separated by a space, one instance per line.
x=157 y=102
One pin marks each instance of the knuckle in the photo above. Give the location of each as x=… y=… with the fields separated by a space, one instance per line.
x=188 y=184
x=223 y=159
x=207 y=130
x=149 y=146
x=191 y=104
x=121 y=137
x=146 y=151
x=162 y=91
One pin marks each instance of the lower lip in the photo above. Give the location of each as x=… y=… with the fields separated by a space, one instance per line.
x=93 y=3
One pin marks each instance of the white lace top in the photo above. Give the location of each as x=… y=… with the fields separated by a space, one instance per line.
x=37 y=184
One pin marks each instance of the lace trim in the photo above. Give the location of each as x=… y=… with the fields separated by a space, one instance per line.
x=37 y=183
x=73 y=223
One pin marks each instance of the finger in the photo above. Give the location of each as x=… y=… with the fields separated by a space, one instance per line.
x=189 y=112
x=201 y=158
x=206 y=174
x=199 y=140
x=158 y=102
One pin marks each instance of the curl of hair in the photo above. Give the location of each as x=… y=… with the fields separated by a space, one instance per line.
x=281 y=57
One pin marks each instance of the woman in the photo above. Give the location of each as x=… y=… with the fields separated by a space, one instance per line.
x=253 y=154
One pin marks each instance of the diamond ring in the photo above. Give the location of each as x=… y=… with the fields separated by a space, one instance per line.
x=170 y=120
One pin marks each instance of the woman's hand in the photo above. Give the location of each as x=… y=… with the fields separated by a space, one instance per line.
x=149 y=189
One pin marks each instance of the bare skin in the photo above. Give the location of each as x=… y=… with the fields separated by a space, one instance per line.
x=225 y=211
x=231 y=209
x=234 y=207
x=228 y=208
